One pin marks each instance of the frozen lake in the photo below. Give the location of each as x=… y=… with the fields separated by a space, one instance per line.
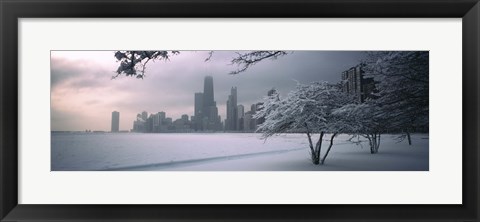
x=225 y=151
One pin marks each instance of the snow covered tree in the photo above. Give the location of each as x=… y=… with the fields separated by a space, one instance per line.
x=307 y=109
x=133 y=63
x=403 y=88
x=364 y=119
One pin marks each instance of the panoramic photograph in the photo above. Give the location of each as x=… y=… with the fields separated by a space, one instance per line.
x=239 y=110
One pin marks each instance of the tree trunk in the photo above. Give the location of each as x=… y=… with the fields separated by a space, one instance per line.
x=329 y=147
x=318 y=148
x=370 y=141
x=378 y=143
x=409 y=139
x=309 y=138
x=310 y=141
x=374 y=140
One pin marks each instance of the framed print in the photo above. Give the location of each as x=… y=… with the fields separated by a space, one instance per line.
x=239 y=134
x=277 y=110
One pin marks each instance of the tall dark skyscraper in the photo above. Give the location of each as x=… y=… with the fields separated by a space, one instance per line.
x=208 y=91
x=232 y=113
x=208 y=97
x=115 y=121
x=206 y=111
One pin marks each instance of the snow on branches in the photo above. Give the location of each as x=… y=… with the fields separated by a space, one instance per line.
x=247 y=59
x=403 y=96
x=400 y=104
x=365 y=119
x=133 y=63
x=308 y=109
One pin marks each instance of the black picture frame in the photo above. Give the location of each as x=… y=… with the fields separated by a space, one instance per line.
x=12 y=10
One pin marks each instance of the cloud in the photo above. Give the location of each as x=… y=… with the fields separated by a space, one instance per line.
x=78 y=73
x=62 y=70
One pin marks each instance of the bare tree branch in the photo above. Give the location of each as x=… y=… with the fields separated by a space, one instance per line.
x=245 y=60
x=133 y=63
x=210 y=54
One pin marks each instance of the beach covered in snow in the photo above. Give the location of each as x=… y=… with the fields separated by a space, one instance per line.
x=228 y=152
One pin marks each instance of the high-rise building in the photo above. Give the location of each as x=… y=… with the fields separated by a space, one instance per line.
x=139 y=124
x=240 y=111
x=185 y=118
x=208 y=97
x=240 y=114
x=228 y=113
x=208 y=90
x=198 y=111
x=260 y=120
x=253 y=108
x=206 y=111
x=155 y=123
x=198 y=104
x=161 y=117
x=355 y=83
x=232 y=113
x=144 y=115
x=115 y=121
x=149 y=124
x=248 y=121
x=212 y=114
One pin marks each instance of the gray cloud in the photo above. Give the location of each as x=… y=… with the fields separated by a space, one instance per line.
x=78 y=73
x=61 y=69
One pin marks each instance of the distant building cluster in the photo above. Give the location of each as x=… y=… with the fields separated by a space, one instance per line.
x=205 y=116
x=238 y=119
x=355 y=83
x=159 y=122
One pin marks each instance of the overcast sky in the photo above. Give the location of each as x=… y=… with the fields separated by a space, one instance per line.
x=83 y=95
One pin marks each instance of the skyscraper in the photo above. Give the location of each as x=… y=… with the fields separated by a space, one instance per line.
x=198 y=111
x=208 y=99
x=155 y=123
x=355 y=83
x=198 y=104
x=144 y=115
x=240 y=114
x=248 y=121
x=115 y=121
x=232 y=113
x=240 y=111
x=206 y=111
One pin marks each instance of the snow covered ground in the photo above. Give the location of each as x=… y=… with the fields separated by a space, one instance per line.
x=227 y=152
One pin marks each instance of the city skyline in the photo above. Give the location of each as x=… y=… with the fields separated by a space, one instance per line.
x=205 y=118
x=83 y=94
